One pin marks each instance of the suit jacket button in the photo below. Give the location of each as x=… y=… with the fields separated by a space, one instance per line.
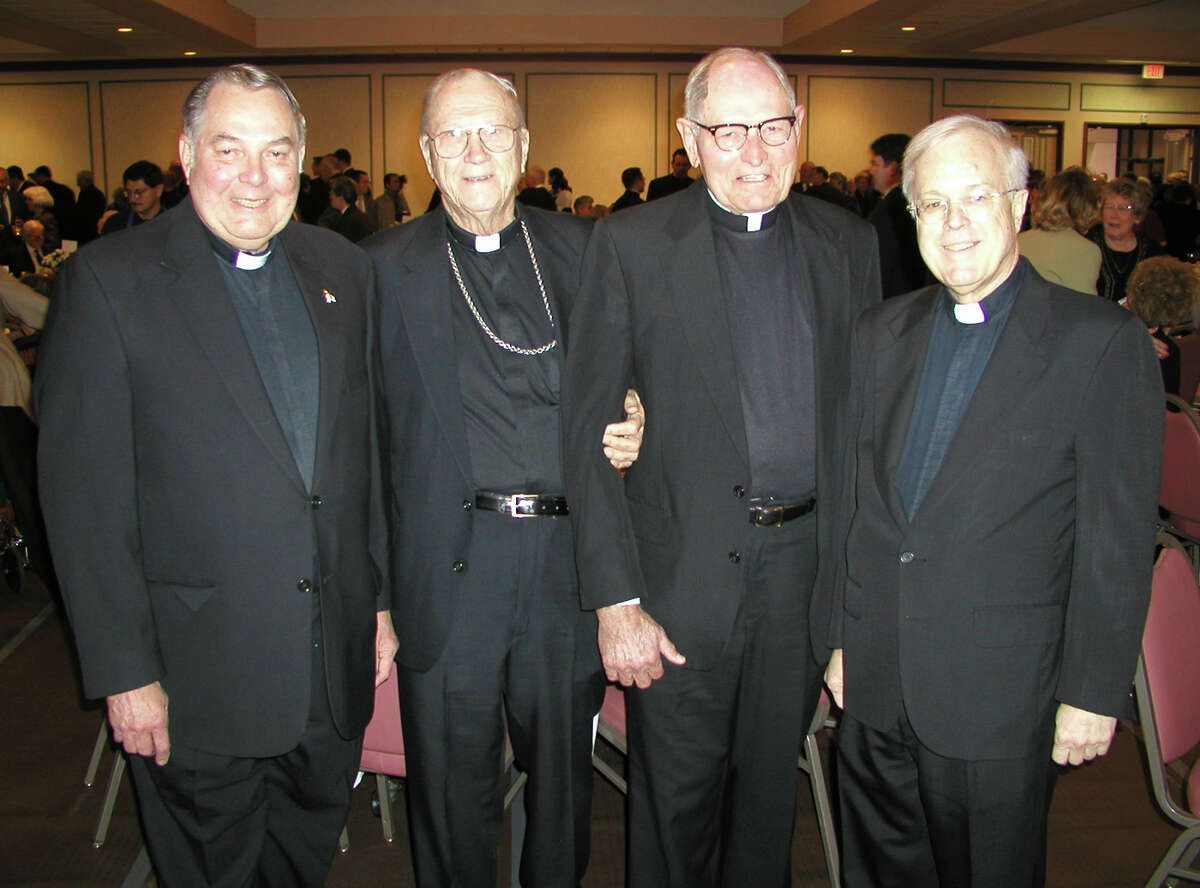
x=458 y=566
x=316 y=502
x=735 y=556
x=304 y=586
x=906 y=557
x=467 y=505
x=739 y=491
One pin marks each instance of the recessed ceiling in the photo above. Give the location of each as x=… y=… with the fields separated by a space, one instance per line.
x=39 y=32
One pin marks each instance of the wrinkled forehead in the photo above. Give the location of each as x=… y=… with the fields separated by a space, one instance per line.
x=743 y=89
x=957 y=162
x=472 y=100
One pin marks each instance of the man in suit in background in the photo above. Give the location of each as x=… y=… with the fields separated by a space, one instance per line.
x=635 y=184
x=210 y=476
x=473 y=298
x=901 y=268
x=728 y=307
x=342 y=215
x=89 y=207
x=64 y=200
x=676 y=180
x=1007 y=441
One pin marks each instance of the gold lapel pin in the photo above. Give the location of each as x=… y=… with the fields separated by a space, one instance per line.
x=329 y=297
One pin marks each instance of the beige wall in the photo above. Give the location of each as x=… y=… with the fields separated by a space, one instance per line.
x=592 y=118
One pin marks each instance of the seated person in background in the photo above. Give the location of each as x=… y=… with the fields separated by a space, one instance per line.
x=1162 y=291
x=635 y=184
x=143 y=190
x=38 y=205
x=29 y=307
x=26 y=256
x=1065 y=208
x=583 y=205
x=1122 y=205
x=342 y=215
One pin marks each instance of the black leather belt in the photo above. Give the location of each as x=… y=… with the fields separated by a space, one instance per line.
x=767 y=514
x=521 y=505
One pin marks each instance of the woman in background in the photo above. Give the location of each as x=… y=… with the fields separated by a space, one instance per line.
x=1065 y=208
x=1122 y=205
x=563 y=196
x=1162 y=291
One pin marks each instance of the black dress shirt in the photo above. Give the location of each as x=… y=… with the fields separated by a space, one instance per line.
x=510 y=401
x=768 y=308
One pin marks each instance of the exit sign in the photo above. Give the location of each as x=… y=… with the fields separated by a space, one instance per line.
x=1153 y=72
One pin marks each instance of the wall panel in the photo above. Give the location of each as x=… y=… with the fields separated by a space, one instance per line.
x=846 y=114
x=593 y=125
x=46 y=123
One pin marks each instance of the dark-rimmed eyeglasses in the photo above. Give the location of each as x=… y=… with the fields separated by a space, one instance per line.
x=495 y=137
x=732 y=136
x=937 y=209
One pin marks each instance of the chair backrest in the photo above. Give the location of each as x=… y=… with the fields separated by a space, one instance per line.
x=1189 y=365
x=1171 y=655
x=383 y=740
x=1179 y=488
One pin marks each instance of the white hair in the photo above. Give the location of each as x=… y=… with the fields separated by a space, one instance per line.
x=1014 y=164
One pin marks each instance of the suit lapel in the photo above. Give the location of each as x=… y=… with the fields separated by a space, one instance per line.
x=319 y=288
x=1017 y=359
x=899 y=363
x=694 y=283
x=193 y=282
x=423 y=292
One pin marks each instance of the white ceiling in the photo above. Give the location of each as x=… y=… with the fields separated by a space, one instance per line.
x=1064 y=31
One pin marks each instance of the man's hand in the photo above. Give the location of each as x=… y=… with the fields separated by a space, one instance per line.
x=1080 y=736
x=834 y=680
x=139 y=721
x=386 y=646
x=632 y=645
x=623 y=440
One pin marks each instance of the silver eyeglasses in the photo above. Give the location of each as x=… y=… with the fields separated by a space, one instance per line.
x=732 y=136
x=974 y=205
x=451 y=143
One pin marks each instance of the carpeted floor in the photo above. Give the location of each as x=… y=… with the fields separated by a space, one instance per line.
x=1105 y=830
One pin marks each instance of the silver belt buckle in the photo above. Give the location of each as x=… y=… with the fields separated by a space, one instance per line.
x=517 y=499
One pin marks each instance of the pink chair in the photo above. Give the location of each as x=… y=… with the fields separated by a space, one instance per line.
x=1179 y=489
x=1168 y=695
x=611 y=727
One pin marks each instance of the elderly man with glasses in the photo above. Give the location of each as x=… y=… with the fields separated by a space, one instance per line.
x=999 y=547
x=728 y=306
x=473 y=301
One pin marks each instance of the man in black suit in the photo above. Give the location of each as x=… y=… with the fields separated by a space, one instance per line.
x=89 y=207
x=900 y=265
x=342 y=215
x=635 y=184
x=474 y=298
x=143 y=188
x=64 y=200
x=535 y=193
x=676 y=180
x=728 y=307
x=1007 y=441
x=210 y=476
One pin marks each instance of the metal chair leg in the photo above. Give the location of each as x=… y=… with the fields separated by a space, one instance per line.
x=820 y=791
x=97 y=751
x=110 y=799
x=385 y=808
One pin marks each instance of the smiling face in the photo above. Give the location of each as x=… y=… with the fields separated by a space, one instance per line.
x=971 y=255
x=756 y=177
x=479 y=187
x=244 y=169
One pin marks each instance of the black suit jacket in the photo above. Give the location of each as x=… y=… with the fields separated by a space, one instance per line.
x=665 y=186
x=536 y=196
x=183 y=533
x=1022 y=579
x=651 y=315
x=432 y=489
x=902 y=269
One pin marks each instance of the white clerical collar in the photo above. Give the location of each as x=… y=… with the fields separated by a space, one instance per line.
x=250 y=261
x=754 y=221
x=969 y=313
x=487 y=243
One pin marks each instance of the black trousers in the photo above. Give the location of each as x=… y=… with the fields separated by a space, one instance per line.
x=712 y=754
x=214 y=821
x=521 y=653
x=911 y=817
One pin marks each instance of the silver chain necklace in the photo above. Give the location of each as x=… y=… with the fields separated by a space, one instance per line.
x=507 y=346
